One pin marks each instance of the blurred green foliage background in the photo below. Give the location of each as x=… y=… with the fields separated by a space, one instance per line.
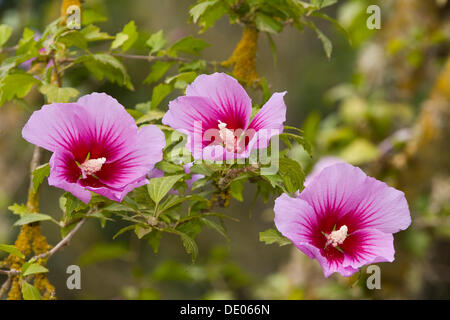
x=364 y=105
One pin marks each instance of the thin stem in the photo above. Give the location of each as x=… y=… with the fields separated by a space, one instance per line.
x=65 y=241
x=10 y=272
x=154 y=58
x=57 y=74
x=33 y=197
x=11 y=49
x=146 y=58
x=5 y=286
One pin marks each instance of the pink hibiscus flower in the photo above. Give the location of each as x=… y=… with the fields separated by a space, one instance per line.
x=96 y=146
x=215 y=116
x=320 y=165
x=344 y=219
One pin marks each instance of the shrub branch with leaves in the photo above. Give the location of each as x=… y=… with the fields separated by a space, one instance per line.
x=180 y=200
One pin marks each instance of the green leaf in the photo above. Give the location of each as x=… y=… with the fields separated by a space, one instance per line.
x=285 y=136
x=188 y=45
x=29 y=292
x=190 y=246
x=32 y=217
x=154 y=239
x=39 y=174
x=193 y=66
x=271 y=236
x=211 y=15
x=142 y=107
x=159 y=93
x=323 y=3
x=73 y=38
x=189 y=243
x=292 y=174
x=93 y=33
x=159 y=69
x=156 y=42
x=198 y=9
x=336 y=24
x=236 y=188
x=273 y=48
x=126 y=38
x=265 y=23
x=169 y=167
x=71 y=204
x=33 y=269
x=141 y=231
x=16 y=85
x=180 y=81
x=27 y=43
x=103 y=65
x=172 y=200
x=159 y=187
x=213 y=225
x=12 y=249
x=123 y=230
x=57 y=94
x=327 y=45
x=5 y=33
x=204 y=169
x=19 y=209
x=151 y=115
x=199 y=183
x=119 y=40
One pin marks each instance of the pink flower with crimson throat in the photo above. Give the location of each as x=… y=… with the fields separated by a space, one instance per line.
x=96 y=146
x=344 y=219
x=215 y=116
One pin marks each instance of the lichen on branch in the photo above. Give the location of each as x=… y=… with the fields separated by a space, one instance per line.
x=243 y=58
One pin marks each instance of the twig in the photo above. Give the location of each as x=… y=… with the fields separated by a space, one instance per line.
x=62 y=243
x=155 y=58
x=11 y=49
x=33 y=197
x=10 y=272
x=57 y=74
x=5 y=286
x=146 y=58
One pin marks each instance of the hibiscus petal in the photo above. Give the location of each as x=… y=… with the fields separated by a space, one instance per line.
x=272 y=115
x=328 y=267
x=118 y=195
x=139 y=160
x=56 y=127
x=185 y=111
x=229 y=98
x=268 y=122
x=295 y=219
x=358 y=200
x=62 y=176
x=323 y=163
x=367 y=246
x=110 y=126
x=193 y=116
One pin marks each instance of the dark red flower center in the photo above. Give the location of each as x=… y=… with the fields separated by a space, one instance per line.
x=89 y=164
x=333 y=235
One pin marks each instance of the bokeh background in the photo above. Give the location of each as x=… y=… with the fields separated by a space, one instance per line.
x=382 y=103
